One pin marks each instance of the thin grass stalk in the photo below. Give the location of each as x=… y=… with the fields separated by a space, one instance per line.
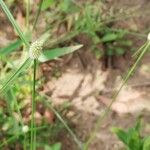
x=37 y=15
x=28 y=29
x=7 y=141
x=48 y=104
x=33 y=132
x=14 y=23
x=139 y=50
x=108 y=109
x=10 y=80
x=66 y=126
x=27 y=13
x=20 y=117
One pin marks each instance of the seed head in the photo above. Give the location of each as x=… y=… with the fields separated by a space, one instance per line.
x=35 y=50
x=25 y=129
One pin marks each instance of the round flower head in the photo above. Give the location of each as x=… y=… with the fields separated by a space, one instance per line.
x=35 y=50
x=148 y=37
x=25 y=129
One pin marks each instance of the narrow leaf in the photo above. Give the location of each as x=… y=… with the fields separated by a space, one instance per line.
x=11 y=79
x=62 y=121
x=14 y=23
x=11 y=47
x=122 y=135
x=102 y=117
x=146 y=145
x=109 y=37
x=56 y=146
x=55 y=53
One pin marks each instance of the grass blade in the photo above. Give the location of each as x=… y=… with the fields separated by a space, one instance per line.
x=33 y=132
x=62 y=121
x=102 y=117
x=13 y=22
x=37 y=15
x=15 y=137
x=55 y=53
x=11 y=79
x=139 y=50
x=10 y=48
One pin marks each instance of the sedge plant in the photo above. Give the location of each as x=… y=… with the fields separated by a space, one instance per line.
x=35 y=55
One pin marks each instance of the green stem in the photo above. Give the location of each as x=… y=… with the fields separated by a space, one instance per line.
x=49 y=105
x=21 y=119
x=101 y=118
x=13 y=22
x=33 y=132
x=38 y=14
x=27 y=13
x=66 y=126
x=9 y=140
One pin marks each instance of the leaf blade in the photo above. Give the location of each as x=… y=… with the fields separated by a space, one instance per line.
x=13 y=22
x=11 y=79
x=55 y=53
x=11 y=47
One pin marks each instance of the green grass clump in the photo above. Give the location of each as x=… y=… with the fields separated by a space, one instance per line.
x=132 y=137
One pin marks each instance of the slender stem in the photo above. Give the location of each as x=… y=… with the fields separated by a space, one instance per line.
x=66 y=126
x=33 y=132
x=21 y=120
x=13 y=22
x=11 y=79
x=10 y=95
x=101 y=118
x=37 y=15
x=9 y=140
x=49 y=105
x=27 y=13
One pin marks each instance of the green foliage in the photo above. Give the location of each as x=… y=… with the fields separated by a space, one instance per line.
x=13 y=22
x=10 y=48
x=46 y=4
x=56 y=146
x=10 y=80
x=115 y=42
x=55 y=53
x=6 y=85
x=90 y=22
x=146 y=144
x=132 y=137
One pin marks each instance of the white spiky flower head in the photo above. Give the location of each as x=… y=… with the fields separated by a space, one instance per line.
x=35 y=49
x=25 y=129
x=148 y=37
